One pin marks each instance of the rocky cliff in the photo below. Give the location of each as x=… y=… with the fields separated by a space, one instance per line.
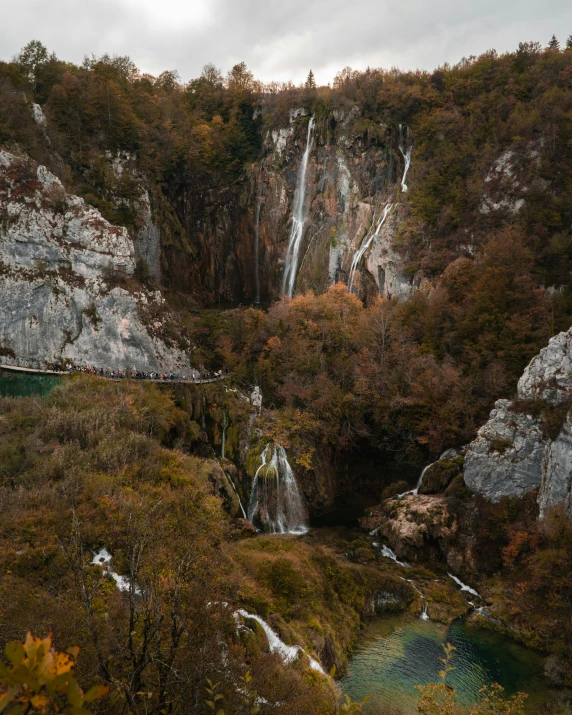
x=66 y=282
x=349 y=182
x=527 y=443
x=229 y=244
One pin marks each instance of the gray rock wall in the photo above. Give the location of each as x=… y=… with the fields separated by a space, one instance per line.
x=60 y=297
x=512 y=455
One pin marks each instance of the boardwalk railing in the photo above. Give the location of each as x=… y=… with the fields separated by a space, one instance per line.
x=115 y=378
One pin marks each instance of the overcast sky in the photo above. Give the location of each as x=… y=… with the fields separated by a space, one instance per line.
x=281 y=39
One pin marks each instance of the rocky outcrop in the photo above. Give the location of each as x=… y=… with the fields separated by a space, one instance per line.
x=506 y=457
x=66 y=285
x=415 y=526
x=548 y=376
x=527 y=443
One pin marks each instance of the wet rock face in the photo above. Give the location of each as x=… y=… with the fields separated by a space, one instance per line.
x=347 y=186
x=527 y=445
x=62 y=266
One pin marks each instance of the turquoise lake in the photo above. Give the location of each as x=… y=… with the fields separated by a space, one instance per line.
x=398 y=652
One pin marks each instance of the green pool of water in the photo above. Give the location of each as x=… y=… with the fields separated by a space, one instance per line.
x=14 y=384
x=399 y=652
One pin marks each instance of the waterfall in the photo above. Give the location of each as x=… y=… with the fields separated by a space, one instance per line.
x=236 y=492
x=365 y=244
x=224 y=426
x=275 y=498
x=389 y=554
x=288 y=653
x=257 y=251
x=415 y=491
x=103 y=558
x=463 y=586
x=406 y=153
x=425 y=604
x=298 y=220
x=446 y=454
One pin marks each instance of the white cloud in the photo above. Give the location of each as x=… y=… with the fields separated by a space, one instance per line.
x=281 y=39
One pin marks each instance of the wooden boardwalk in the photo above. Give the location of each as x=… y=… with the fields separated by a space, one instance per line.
x=165 y=381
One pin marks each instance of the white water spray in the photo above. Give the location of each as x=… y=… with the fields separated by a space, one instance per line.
x=463 y=586
x=424 y=614
x=103 y=558
x=366 y=243
x=275 y=497
x=288 y=653
x=447 y=453
x=298 y=220
x=415 y=492
x=406 y=153
x=389 y=554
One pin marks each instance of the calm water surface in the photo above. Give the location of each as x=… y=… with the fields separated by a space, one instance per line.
x=13 y=384
x=399 y=652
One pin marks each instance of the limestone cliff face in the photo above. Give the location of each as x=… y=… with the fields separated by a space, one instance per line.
x=65 y=289
x=348 y=184
x=219 y=243
x=527 y=444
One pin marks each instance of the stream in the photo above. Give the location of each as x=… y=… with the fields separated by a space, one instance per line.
x=398 y=652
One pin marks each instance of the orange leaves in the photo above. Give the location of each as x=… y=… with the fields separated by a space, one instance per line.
x=521 y=542
x=40 y=676
x=273 y=343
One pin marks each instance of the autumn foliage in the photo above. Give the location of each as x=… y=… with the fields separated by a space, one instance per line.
x=40 y=679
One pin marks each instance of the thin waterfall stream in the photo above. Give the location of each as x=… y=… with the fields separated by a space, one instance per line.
x=298 y=219
x=405 y=152
x=366 y=243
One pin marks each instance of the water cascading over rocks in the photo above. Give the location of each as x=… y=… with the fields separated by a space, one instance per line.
x=298 y=220
x=366 y=243
x=406 y=153
x=275 y=500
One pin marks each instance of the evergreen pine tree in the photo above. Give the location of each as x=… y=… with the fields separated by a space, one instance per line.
x=554 y=44
x=569 y=42
x=311 y=81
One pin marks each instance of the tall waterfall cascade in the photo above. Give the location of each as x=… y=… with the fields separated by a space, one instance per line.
x=298 y=219
x=405 y=148
x=366 y=243
x=275 y=499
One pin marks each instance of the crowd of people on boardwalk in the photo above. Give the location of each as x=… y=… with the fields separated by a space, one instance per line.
x=196 y=376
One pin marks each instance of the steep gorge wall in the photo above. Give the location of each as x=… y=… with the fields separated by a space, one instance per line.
x=209 y=241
